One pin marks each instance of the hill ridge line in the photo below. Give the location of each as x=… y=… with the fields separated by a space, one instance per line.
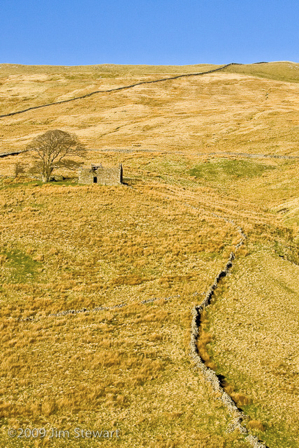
x=123 y=88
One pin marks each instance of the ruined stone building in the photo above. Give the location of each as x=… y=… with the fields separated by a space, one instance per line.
x=97 y=174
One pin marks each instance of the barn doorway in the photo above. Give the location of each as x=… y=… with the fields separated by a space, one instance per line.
x=95 y=180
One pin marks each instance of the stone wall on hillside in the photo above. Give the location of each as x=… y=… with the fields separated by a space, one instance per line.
x=209 y=374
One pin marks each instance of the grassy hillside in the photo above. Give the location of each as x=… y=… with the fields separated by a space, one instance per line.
x=133 y=260
x=280 y=71
x=263 y=294
x=223 y=111
x=127 y=368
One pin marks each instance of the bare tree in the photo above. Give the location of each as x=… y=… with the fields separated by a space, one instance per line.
x=52 y=149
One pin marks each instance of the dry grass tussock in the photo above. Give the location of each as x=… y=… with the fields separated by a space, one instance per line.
x=64 y=246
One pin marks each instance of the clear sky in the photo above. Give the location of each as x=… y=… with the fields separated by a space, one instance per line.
x=178 y=32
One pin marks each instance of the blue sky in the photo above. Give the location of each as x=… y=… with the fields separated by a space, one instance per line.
x=178 y=32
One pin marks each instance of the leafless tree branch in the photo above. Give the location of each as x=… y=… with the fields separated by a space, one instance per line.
x=52 y=147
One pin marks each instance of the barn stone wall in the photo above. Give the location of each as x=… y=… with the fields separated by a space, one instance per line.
x=85 y=176
x=101 y=175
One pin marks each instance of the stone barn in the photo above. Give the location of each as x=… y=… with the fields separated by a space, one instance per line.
x=97 y=174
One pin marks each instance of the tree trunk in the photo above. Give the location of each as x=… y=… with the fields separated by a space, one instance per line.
x=46 y=174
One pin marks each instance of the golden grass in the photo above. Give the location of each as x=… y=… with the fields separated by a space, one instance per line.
x=64 y=246
x=126 y=245
x=216 y=112
x=124 y=369
x=255 y=345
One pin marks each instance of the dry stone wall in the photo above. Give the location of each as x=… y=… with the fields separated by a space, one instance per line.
x=97 y=309
x=210 y=376
x=11 y=153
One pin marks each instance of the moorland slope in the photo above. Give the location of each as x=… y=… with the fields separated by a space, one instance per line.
x=142 y=255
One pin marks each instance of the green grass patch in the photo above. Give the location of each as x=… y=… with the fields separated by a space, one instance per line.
x=20 y=267
x=223 y=169
x=11 y=183
x=279 y=71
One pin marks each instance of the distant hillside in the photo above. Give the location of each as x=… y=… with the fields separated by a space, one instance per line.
x=247 y=108
x=281 y=71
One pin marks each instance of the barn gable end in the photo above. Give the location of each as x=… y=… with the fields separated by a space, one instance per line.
x=97 y=174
